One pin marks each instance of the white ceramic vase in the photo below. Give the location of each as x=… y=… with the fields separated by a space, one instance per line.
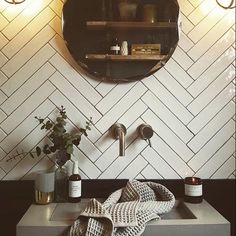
x=124 y=48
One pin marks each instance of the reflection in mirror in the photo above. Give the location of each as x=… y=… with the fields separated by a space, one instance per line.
x=121 y=40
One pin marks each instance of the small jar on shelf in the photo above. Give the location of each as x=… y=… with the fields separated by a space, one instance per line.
x=115 y=48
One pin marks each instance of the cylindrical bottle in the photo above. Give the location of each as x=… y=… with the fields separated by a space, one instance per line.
x=61 y=184
x=193 y=190
x=75 y=185
x=115 y=48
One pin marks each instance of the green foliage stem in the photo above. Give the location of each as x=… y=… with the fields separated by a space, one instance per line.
x=62 y=141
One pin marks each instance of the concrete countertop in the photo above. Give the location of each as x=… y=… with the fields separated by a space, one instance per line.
x=56 y=218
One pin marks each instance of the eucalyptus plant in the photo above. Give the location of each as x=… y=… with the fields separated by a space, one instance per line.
x=62 y=141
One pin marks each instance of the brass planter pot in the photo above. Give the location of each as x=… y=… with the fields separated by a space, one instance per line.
x=44 y=187
x=43 y=198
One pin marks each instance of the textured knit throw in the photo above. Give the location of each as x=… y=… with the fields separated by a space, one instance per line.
x=125 y=212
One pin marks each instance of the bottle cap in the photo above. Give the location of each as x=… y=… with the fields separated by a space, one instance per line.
x=76 y=167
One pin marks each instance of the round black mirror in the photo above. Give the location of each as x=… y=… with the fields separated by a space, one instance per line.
x=121 y=40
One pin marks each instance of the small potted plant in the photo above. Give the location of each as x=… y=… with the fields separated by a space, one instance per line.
x=62 y=145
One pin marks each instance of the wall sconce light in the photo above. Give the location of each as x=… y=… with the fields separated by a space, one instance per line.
x=229 y=4
x=14 y=1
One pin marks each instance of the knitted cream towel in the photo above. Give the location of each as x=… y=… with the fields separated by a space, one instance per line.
x=125 y=212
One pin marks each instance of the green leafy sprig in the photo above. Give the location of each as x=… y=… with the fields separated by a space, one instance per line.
x=62 y=141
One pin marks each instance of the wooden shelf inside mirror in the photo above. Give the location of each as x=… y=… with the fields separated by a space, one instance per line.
x=90 y=27
x=107 y=57
x=95 y=25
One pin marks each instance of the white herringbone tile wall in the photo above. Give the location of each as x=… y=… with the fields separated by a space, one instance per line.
x=190 y=103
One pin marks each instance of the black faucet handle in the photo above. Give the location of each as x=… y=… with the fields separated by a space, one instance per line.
x=146 y=132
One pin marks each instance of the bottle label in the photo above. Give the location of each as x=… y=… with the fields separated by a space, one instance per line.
x=75 y=188
x=193 y=190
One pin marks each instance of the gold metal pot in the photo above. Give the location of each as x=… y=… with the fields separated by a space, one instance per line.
x=44 y=187
x=43 y=197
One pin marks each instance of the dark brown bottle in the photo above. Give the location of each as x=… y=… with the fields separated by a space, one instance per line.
x=115 y=48
x=75 y=185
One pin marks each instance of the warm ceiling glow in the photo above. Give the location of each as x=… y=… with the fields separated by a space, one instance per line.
x=231 y=16
x=211 y=6
x=226 y=4
x=14 y=1
x=207 y=6
x=28 y=8
x=33 y=8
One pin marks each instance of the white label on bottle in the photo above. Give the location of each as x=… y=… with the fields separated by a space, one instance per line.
x=75 y=188
x=193 y=190
x=115 y=48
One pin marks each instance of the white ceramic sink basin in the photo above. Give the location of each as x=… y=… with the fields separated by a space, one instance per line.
x=185 y=219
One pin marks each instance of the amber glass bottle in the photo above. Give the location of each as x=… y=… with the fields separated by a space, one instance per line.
x=75 y=185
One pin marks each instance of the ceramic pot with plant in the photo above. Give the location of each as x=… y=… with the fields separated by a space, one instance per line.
x=62 y=144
